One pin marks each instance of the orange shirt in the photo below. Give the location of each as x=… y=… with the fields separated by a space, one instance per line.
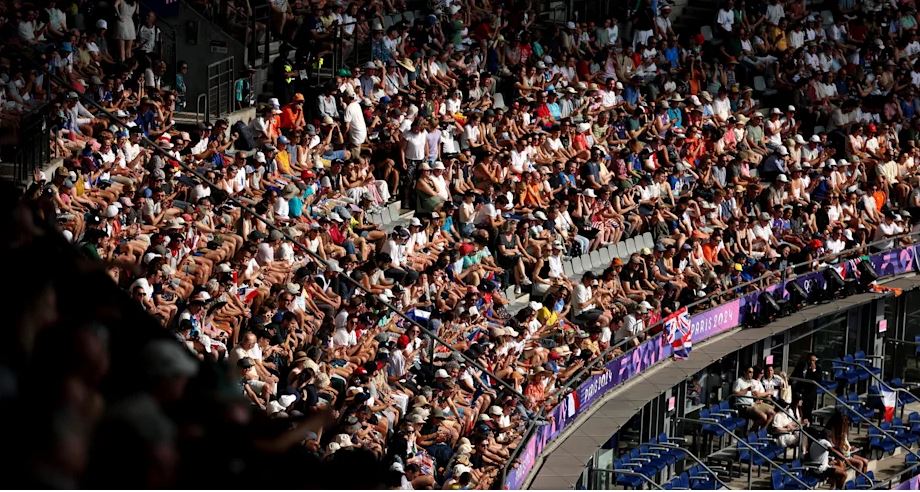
x=290 y=114
x=709 y=252
x=880 y=198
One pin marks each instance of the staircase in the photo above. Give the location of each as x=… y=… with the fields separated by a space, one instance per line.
x=688 y=19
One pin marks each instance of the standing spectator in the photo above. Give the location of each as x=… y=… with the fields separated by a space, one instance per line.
x=125 y=33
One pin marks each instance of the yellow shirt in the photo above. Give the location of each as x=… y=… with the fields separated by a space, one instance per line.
x=547 y=317
x=283 y=159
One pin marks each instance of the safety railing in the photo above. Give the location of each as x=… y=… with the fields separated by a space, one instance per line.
x=220 y=87
x=612 y=371
x=33 y=145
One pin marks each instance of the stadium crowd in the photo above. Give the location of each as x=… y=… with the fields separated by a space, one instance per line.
x=517 y=144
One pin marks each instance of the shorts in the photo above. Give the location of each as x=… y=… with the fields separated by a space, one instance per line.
x=334 y=154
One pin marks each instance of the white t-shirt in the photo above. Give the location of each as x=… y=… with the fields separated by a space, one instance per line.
x=415 y=145
x=582 y=294
x=726 y=19
x=818 y=454
x=357 y=133
x=746 y=400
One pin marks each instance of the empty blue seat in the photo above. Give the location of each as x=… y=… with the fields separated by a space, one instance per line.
x=881 y=442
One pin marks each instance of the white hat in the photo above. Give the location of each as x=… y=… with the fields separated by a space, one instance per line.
x=335 y=217
x=570 y=25
x=343 y=440
x=590 y=192
x=68 y=235
x=495 y=410
x=645 y=304
x=776 y=111
x=782 y=178
x=619 y=85
x=540 y=215
x=102 y=24
x=814 y=139
x=438 y=165
x=536 y=306
x=583 y=127
x=790 y=108
x=441 y=374
x=151 y=256
x=485 y=417
x=111 y=212
x=415 y=222
x=260 y=157
x=783 y=150
x=224 y=268
x=460 y=469
x=799 y=139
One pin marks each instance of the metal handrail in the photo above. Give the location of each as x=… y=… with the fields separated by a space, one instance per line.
x=577 y=378
x=861 y=417
x=671 y=445
x=875 y=377
x=623 y=471
x=207 y=109
x=297 y=245
x=802 y=431
x=746 y=444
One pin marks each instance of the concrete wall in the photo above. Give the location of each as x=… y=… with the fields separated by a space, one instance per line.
x=212 y=44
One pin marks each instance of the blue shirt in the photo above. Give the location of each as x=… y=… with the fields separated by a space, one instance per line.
x=671 y=54
x=295 y=206
x=554 y=110
x=676 y=114
x=631 y=95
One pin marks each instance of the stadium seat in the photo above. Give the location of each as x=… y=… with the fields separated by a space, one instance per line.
x=880 y=442
x=631 y=246
x=648 y=241
x=606 y=255
x=567 y=268
x=596 y=260
x=706 y=31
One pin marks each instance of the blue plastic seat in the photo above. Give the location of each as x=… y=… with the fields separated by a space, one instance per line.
x=881 y=442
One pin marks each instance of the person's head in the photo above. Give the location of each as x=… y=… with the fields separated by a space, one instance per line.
x=748 y=374
x=249 y=340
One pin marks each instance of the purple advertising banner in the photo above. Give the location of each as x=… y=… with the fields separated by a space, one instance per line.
x=715 y=321
x=911 y=484
x=617 y=372
x=889 y=263
x=705 y=325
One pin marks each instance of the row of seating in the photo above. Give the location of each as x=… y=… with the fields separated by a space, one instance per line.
x=907 y=433
x=785 y=481
x=728 y=419
x=861 y=482
x=695 y=478
x=385 y=214
x=759 y=449
x=649 y=459
x=851 y=369
x=601 y=258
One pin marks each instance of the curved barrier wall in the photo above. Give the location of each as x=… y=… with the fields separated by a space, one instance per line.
x=706 y=324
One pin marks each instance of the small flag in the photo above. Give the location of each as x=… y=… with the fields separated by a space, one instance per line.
x=679 y=333
x=573 y=403
x=889 y=401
